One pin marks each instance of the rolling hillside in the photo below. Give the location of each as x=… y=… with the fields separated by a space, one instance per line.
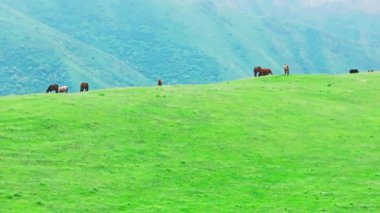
x=302 y=143
x=125 y=43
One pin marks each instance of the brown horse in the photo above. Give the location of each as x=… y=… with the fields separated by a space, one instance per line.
x=84 y=87
x=52 y=87
x=286 y=69
x=160 y=82
x=63 y=89
x=258 y=71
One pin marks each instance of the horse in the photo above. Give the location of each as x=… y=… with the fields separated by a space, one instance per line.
x=84 y=87
x=286 y=69
x=352 y=71
x=258 y=71
x=52 y=87
x=160 y=82
x=63 y=89
x=266 y=71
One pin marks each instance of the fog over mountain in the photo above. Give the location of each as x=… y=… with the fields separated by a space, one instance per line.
x=118 y=43
x=372 y=6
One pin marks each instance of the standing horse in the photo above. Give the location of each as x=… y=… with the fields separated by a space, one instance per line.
x=84 y=87
x=52 y=87
x=286 y=69
x=63 y=89
x=258 y=71
x=160 y=82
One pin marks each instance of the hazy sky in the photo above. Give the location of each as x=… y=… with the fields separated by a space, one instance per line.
x=320 y=2
x=372 y=6
x=366 y=5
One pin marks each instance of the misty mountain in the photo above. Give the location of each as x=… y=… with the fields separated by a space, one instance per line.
x=119 y=43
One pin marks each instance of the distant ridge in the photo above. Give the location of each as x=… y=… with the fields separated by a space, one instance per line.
x=127 y=43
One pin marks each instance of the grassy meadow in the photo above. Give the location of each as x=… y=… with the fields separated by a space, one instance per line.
x=300 y=143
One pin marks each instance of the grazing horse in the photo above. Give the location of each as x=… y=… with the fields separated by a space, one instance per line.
x=160 y=82
x=258 y=71
x=352 y=71
x=286 y=69
x=52 y=87
x=84 y=87
x=63 y=89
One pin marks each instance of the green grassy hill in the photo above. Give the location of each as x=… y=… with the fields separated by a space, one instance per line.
x=273 y=144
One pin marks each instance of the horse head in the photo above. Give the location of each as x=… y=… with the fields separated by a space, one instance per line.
x=52 y=87
x=257 y=70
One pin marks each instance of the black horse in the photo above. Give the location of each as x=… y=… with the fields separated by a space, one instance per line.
x=51 y=88
x=352 y=71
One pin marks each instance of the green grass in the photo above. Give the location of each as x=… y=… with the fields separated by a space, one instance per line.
x=273 y=144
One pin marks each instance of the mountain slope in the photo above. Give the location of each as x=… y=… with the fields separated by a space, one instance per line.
x=297 y=143
x=37 y=55
x=184 y=42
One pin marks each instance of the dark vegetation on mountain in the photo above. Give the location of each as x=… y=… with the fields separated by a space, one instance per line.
x=120 y=43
